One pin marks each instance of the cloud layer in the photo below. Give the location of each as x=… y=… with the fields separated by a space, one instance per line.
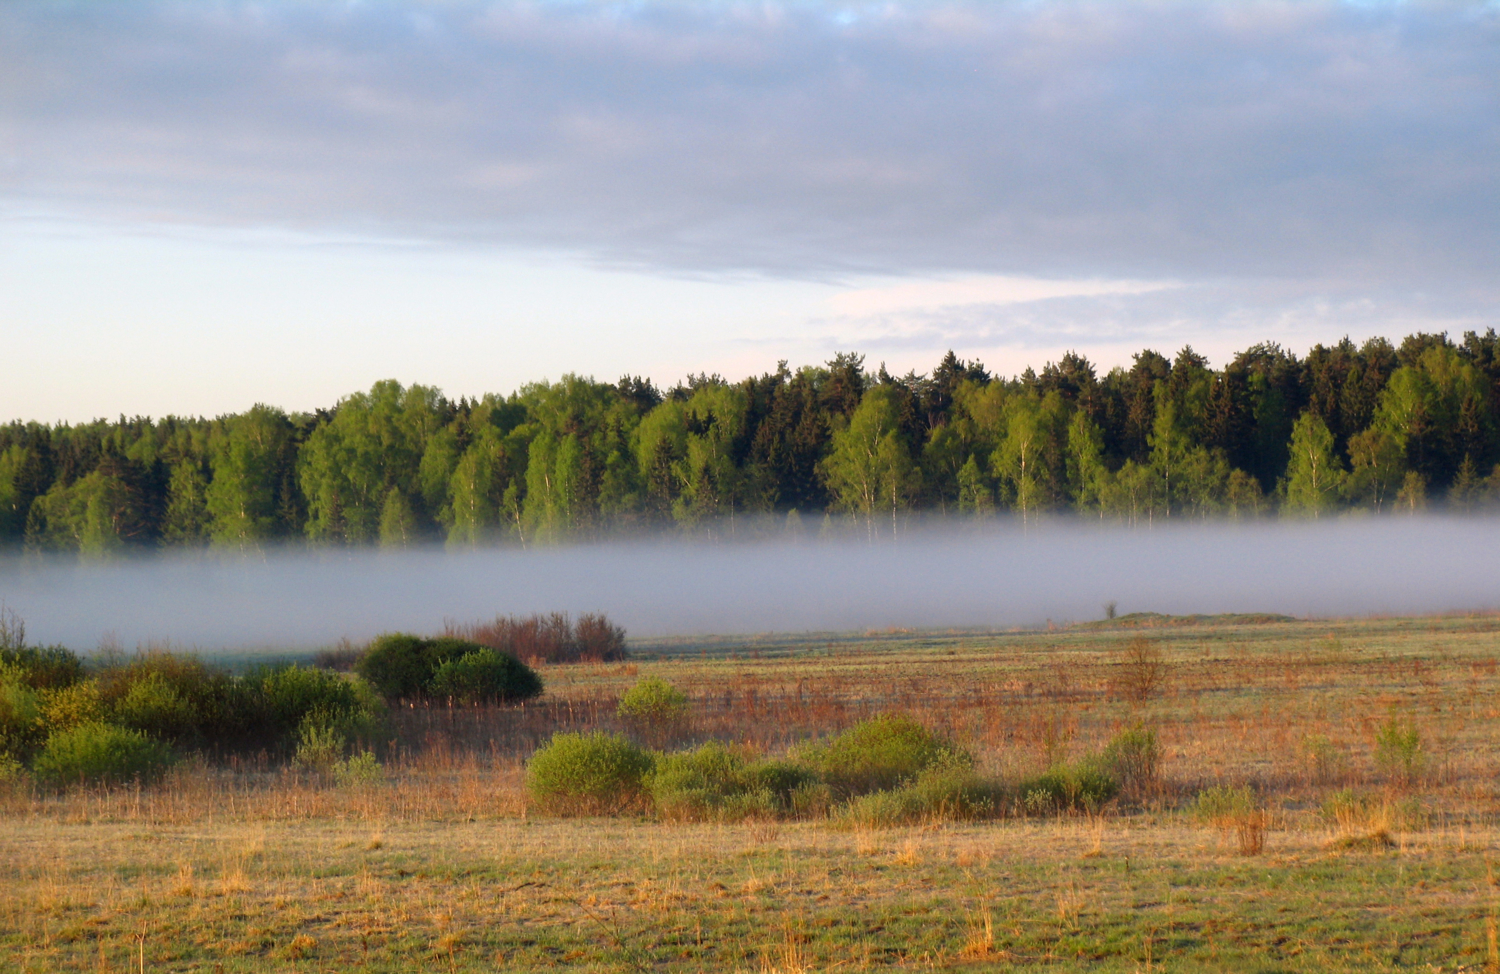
x=1351 y=145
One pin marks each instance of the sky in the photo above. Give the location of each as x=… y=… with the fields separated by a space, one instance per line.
x=206 y=204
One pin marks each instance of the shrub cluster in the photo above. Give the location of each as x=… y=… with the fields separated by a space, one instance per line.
x=127 y=717
x=654 y=705
x=405 y=667
x=886 y=771
x=551 y=638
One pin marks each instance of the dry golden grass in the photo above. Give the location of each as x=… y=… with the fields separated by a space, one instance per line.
x=248 y=867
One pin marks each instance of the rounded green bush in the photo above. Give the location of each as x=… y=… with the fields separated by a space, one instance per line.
x=882 y=753
x=483 y=674
x=654 y=702
x=404 y=667
x=100 y=753
x=582 y=774
x=396 y=665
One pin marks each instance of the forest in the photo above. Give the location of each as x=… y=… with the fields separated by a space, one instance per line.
x=1376 y=428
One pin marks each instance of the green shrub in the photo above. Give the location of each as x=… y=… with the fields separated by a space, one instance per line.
x=20 y=713
x=593 y=773
x=654 y=703
x=396 y=665
x=154 y=706
x=1325 y=759
x=946 y=791
x=164 y=694
x=405 y=667
x=358 y=770
x=320 y=747
x=100 y=753
x=1221 y=805
x=785 y=780
x=1398 y=750
x=1133 y=757
x=880 y=754
x=721 y=783
x=1082 y=786
x=12 y=771
x=293 y=697
x=1237 y=812
x=43 y=667
x=483 y=674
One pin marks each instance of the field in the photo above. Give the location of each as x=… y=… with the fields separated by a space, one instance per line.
x=1373 y=858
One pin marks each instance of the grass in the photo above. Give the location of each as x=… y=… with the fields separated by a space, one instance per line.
x=440 y=866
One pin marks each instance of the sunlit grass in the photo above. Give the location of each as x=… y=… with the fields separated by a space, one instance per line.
x=440 y=866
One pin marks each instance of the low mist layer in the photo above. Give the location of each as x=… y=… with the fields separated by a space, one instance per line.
x=978 y=576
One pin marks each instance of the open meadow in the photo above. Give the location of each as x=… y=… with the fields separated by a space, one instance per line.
x=1325 y=799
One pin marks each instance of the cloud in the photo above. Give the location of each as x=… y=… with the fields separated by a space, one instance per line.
x=1317 y=142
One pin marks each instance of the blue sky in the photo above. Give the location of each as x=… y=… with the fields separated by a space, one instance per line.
x=208 y=204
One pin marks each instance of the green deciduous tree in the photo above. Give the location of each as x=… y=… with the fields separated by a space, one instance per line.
x=1315 y=477
x=374 y=442
x=869 y=467
x=246 y=453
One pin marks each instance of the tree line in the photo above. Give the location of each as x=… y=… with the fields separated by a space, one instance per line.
x=1373 y=427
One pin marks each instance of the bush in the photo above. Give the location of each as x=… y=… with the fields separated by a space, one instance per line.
x=357 y=770
x=722 y=783
x=295 y=697
x=100 y=753
x=12 y=772
x=946 y=791
x=42 y=667
x=72 y=706
x=396 y=666
x=599 y=639
x=654 y=703
x=1398 y=751
x=20 y=710
x=164 y=694
x=483 y=674
x=1143 y=670
x=552 y=638
x=593 y=773
x=1220 y=805
x=880 y=754
x=154 y=706
x=1082 y=786
x=1235 y=811
x=404 y=667
x=320 y=748
x=1132 y=757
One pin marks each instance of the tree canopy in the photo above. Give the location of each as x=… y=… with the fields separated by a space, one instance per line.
x=1372 y=428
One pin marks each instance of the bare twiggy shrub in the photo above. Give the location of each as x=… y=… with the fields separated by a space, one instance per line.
x=1250 y=831
x=341 y=656
x=1142 y=670
x=551 y=638
x=12 y=629
x=1235 y=812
